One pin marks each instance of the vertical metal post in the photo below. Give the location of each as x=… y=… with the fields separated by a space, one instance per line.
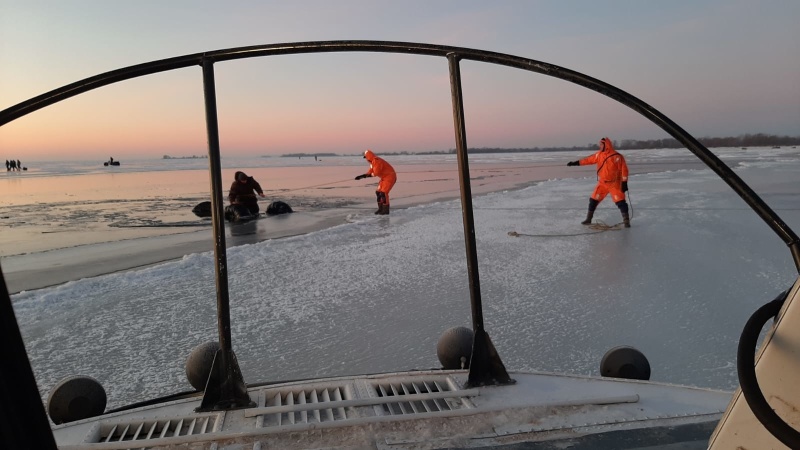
x=485 y=365
x=217 y=215
x=225 y=388
x=466 y=193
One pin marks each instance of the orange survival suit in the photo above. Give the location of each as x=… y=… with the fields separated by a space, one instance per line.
x=378 y=167
x=612 y=177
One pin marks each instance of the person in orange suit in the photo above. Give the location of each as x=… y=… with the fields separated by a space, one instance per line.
x=612 y=178
x=378 y=167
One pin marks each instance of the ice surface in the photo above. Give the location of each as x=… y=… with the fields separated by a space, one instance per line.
x=375 y=295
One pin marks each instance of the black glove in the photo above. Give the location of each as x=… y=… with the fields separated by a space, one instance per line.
x=574 y=163
x=624 y=186
x=362 y=176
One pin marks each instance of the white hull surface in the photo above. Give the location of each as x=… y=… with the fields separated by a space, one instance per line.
x=421 y=410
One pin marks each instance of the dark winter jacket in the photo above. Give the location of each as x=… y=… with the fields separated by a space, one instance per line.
x=242 y=192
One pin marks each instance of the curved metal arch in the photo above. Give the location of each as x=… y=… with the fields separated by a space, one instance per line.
x=460 y=53
x=228 y=389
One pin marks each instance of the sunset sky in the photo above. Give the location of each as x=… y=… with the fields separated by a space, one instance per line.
x=716 y=67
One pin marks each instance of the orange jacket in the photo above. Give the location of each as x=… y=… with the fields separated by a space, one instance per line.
x=378 y=167
x=611 y=165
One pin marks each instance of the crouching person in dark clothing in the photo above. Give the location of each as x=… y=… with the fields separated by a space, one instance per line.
x=242 y=192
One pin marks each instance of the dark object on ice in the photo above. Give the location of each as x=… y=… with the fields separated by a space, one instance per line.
x=111 y=163
x=278 y=207
x=199 y=362
x=454 y=348
x=238 y=213
x=75 y=398
x=203 y=209
x=625 y=362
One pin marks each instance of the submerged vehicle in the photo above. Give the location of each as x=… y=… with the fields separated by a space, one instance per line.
x=473 y=401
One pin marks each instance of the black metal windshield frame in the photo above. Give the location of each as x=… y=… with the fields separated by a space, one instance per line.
x=485 y=366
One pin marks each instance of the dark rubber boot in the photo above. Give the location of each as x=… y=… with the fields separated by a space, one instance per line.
x=383 y=210
x=381 y=196
x=592 y=206
x=626 y=220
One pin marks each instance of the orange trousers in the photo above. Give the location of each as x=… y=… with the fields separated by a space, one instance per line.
x=604 y=188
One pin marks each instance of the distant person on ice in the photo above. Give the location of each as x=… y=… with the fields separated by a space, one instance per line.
x=612 y=177
x=242 y=192
x=383 y=170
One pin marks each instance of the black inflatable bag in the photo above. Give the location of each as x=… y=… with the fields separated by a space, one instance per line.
x=203 y=209
x=278 y=207
x=238 y=213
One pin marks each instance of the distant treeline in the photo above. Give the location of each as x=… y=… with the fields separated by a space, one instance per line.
x=185 y=157
x=301 y=155
x=746 y=140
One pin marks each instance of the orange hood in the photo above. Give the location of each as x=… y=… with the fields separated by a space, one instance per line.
x=606 y=145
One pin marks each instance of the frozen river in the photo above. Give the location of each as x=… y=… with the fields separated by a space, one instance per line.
x=376 y=293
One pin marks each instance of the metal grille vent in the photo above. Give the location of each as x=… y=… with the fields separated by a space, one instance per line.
x=419 y=396
x=304 y=406
x=152 y=429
